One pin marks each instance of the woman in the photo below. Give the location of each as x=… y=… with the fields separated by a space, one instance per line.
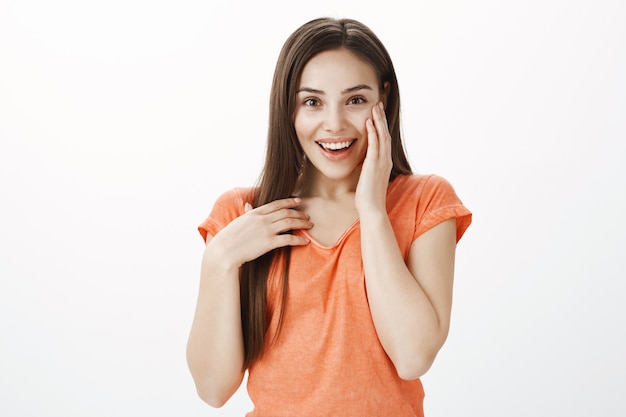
x=331 y=281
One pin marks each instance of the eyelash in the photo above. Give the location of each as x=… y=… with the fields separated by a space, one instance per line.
x=311 y=102
x=360 y=99
x=315 y=102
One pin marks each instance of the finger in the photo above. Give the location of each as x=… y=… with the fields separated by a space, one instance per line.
x=286 y=213
x=382 y=128
x=372 y=140
x=286 y=224
x=380 y=121
x=290 y=240
x=279 y=204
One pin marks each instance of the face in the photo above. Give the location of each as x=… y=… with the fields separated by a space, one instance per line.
x=335 y=97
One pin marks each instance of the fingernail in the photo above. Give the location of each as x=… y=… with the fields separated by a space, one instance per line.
x=297 y=200
x=380 y=104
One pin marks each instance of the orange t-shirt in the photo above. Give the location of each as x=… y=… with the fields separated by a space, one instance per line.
x=328 y=360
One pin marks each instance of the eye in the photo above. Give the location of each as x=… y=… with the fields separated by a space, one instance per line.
x=311 y=102
x=356 y=100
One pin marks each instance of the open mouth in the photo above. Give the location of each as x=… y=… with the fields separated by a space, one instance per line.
x=336 y=146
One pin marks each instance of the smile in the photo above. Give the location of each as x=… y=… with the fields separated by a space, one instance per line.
x=336 y=146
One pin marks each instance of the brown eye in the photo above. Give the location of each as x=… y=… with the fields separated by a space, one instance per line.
x=311 y=102
x=356 y=100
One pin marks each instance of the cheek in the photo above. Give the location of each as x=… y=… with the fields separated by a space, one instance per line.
x=358 y=121
x=303 y=125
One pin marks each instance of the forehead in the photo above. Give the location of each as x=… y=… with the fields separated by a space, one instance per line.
x=338 y=67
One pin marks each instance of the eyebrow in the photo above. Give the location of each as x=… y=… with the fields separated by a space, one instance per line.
x=346 y=91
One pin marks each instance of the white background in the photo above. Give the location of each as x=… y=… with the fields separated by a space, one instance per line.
x=121 y=122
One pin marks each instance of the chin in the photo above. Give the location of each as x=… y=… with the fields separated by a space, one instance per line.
x=340 y=174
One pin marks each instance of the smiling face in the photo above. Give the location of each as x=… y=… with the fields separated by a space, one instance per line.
x=335 y=96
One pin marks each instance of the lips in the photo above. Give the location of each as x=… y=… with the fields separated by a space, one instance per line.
x=336 y=149
x=335 y=144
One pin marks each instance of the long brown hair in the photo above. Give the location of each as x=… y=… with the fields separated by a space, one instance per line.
x=284 y=157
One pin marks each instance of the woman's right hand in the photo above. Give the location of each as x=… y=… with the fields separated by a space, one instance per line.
x=260 y=230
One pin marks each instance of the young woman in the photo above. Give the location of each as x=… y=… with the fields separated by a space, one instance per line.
x=330 y=282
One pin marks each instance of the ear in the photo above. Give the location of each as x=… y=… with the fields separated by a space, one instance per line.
x=385 y=93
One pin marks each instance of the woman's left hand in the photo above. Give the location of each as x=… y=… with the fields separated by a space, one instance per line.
x=371 y=191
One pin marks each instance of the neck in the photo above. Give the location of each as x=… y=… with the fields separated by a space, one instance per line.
x=317 y=185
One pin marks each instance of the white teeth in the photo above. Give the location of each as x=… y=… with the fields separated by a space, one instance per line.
x=335 y=146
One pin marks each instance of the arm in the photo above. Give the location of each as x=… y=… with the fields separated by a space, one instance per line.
x=410 y=302
x=215 y=350
x=215 y=345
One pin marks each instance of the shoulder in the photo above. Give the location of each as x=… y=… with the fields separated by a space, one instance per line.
x=236 y=196
x=228 y=206
x=428 y=181
x=231 y=202
x=420 y=187
x=431 y=198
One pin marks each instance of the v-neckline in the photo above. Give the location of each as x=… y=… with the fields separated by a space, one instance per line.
x=349 y=229
x=341 y=238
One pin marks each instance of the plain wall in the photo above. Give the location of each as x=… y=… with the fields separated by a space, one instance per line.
x=122 y=121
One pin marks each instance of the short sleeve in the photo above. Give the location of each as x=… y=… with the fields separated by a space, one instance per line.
x=227 y=207
x=439 y=202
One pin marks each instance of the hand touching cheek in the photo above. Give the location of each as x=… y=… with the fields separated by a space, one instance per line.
x=371 y=192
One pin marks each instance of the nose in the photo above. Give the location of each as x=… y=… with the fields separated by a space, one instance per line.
x=334 y=120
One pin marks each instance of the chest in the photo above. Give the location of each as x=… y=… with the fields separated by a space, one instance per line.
x=331 y=220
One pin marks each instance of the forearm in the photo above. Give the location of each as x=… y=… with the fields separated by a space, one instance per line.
x=405 y=319
x=215 y=346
